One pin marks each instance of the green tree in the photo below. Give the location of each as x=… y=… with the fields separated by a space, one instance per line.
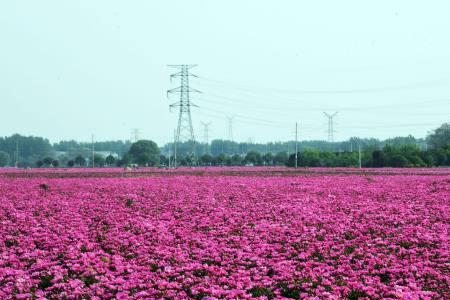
x=440 y=156
x=110 y=160
x=71 y=163
x=47 y=161
x=281 y=158
x=254 y=158
x=39 y=163
x=55 y=163
x=145 y=153
x=399 y=161
x=440 y=137
x=126 y=159
x=99 y=160
x=309 y=158
x=221 y=159
x=378 y=159
x=80 y=160
x=268 y=159
x=236 y=160
x=163 y=160
x=206 y=159
x=4 y=159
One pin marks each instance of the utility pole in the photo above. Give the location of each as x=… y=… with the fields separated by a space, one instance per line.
x=230 y=132
x=206 y=135
x=296 y=144
x=174 y=149
x=93 y=152
x=230 y=128
x=330 y=126
x=359 y=153
x=168 y=145
x=17 y=151
x=185 y=130
x=250 y=142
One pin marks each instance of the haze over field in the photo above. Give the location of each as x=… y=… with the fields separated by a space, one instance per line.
x=75 y=68
x=239 y=149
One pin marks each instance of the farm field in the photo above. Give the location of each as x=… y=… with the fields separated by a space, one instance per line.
x=237 y=233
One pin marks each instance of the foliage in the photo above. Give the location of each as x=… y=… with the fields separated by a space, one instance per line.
x=26 y=149
x=80 y=161
x=405 y=156
x=99 y=160
x=47 y=161
x=145 y=153
x=4 y=159
x=254 y=158
x=227 y=147
x=110 y=160
x=440 y=137
x=73 y=148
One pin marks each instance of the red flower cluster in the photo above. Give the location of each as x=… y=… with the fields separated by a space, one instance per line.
x=226 y=237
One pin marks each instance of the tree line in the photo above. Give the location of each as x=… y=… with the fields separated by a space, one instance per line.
x=218 y=146
x=23 y=151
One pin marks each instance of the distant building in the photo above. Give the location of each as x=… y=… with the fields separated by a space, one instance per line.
x=107 y=153
x=60 y=153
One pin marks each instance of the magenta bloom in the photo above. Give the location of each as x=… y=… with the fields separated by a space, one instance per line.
x=264 y=233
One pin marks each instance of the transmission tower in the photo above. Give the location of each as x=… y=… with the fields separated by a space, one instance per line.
x=135 y=134
x=230 y=128
x=185 y=130
x=93 y=151
x=330 y=126
x=230 y=133
x=206 y=135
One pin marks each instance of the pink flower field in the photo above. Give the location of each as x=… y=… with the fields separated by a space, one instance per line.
x=210 y=235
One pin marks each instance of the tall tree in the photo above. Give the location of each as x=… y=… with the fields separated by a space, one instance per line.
x=99 y=160
x=80 y=161
x=440 y=137
x=110 y=160
x=253 y=157
x=4 y=159
x=145 y=153
x=47 y=161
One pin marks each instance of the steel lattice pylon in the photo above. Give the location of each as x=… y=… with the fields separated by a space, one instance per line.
x=185 y=130
x=330 y=126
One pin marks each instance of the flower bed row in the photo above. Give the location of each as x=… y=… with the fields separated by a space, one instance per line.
x=197 y=237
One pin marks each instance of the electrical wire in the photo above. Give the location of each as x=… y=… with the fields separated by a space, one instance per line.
x=411 y=86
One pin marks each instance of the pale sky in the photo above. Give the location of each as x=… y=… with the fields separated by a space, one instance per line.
x=69 y=69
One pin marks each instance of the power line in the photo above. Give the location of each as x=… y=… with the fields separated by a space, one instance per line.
x=244 y=101
x=380 y=89
x=241 y=120
x=243 y=117
x=185 y=130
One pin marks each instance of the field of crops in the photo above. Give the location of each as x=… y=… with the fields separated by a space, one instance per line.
x=216 y=234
